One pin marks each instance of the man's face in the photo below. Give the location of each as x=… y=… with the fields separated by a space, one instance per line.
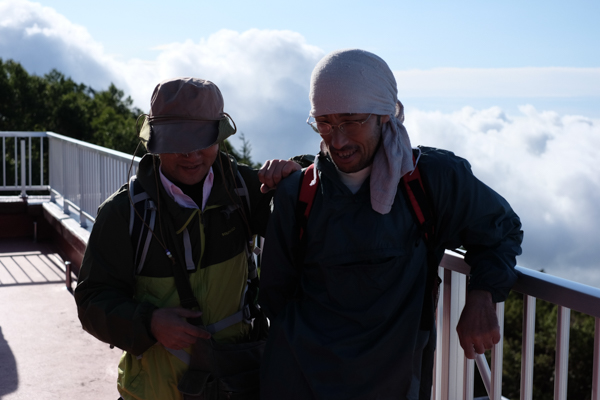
x=189 y=168
x=354 y=152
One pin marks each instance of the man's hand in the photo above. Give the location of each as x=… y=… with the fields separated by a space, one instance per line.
x=478 y=328
x=170 y=328
x=273 y=171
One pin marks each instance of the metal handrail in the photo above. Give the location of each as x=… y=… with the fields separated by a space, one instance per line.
x=83 y=174
x=532 y=284
x=87 y=174
x=24 y=141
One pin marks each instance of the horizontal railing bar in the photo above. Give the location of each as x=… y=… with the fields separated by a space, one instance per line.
x=573 y=295
x=455 y=262
x=78 y=209
x=88 y=216
x=569 y=294
x=99 y=149
x=19 y=187
x=22 y=134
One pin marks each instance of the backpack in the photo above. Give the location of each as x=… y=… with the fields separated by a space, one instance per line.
x=143 y=214
x=421 y=209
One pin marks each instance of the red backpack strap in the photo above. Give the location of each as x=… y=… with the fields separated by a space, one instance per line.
x=306 y=196
x=422 y=211
x=414 y=190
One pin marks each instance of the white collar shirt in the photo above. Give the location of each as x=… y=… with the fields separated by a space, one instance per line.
x=183 y=199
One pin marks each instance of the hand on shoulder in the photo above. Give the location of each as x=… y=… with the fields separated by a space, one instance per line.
x=273 y=171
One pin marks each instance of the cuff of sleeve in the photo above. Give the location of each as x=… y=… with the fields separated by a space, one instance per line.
x=498 y=296
x=304 y=160
x=145 y=314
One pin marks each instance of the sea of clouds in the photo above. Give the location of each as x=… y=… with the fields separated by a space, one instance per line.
x=543 y=162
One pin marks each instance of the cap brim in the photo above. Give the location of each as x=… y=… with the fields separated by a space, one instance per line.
x=184 y=136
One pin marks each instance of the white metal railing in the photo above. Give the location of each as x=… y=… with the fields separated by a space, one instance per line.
x=22 y=161
x=81 y=175
x=454 y=373
x=84 y=175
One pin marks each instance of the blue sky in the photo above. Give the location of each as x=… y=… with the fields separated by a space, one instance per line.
x=512 y=86
x=422 y=36
x=408 y=35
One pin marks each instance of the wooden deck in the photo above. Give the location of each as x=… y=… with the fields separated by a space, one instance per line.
x=44 y=353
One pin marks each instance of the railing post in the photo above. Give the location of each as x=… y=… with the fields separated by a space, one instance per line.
x=528 y=347
x=561 y=369
x=596 y=368
x=68 y=282
x=82 y=219
x=445 y=348
x=30 y=163
x=23 y=170
x=452 y=356
x=469 y=380
x=497 y=356
x=81 y=176
x=42 y=161
x=3 y=161
x=484 y=372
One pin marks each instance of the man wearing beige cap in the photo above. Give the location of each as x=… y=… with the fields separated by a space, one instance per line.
x=168 y=273
x=350 y=288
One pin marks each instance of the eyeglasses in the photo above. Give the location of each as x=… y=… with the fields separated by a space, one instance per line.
x=346 y=127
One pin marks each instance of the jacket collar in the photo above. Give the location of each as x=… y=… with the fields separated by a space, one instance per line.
x=148 y=177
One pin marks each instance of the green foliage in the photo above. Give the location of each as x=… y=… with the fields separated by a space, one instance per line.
x=581 y=345
x=56 y=103
x=245 y=156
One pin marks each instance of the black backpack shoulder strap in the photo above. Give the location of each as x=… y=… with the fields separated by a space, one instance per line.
x=141 y=217
x=143 y=214
x=242 y=190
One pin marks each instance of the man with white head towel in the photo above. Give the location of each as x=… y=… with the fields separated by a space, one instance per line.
x=352 y=303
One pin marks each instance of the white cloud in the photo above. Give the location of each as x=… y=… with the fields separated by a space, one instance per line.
x=544 y=163
x=41 y=39
x=264 y=77
x=263 y=74
x=499 y=82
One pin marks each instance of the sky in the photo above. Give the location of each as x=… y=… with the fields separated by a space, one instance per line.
x=512 y=86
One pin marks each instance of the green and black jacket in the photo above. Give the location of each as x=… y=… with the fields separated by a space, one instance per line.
x=115 y=304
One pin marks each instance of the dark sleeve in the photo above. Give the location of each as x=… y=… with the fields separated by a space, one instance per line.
x=105 y=289
x=472 y=215
x=303 y=160
x=279 y=275
x=260 y=203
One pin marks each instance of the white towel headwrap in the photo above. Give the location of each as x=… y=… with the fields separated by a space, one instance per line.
x=356 y=81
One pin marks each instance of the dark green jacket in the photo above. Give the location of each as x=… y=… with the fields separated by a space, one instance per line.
x=115 y=305
x=345 y=318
